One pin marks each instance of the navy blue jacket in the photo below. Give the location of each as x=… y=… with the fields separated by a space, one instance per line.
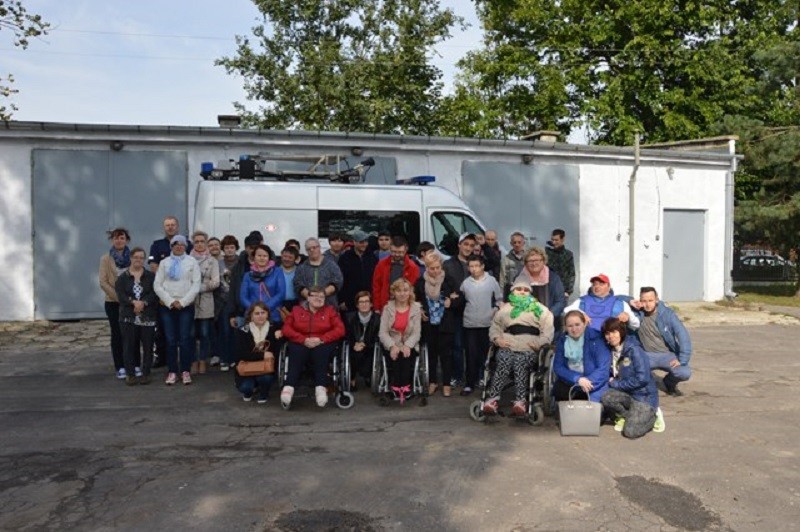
x=633 y=374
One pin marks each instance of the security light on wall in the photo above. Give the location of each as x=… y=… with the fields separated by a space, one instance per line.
x=527 y=158
x=117 y=145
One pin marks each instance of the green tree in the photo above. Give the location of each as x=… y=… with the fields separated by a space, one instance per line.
x=343 y=65
x=667 y=68
x=23 y=26
x=768 y=181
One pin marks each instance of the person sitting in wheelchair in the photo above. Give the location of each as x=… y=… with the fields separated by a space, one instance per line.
x=400 y=331
x=362 y=335
x=519 y=329
x=313 y=331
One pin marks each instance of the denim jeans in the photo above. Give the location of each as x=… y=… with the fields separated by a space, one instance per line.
x=178 y=333
x=477 y=342
x=662 y=361
x=247 y=385
x=202 y=330
x=222 y=339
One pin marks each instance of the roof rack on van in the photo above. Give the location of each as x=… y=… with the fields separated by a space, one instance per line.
x=334 y=168
x=416 y=180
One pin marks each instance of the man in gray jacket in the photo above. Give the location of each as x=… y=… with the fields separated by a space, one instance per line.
x=512 y=263
x=318 y=270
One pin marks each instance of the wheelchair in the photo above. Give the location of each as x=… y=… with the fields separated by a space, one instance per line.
x=539 y=394
x=380 y=376
x=338 y=373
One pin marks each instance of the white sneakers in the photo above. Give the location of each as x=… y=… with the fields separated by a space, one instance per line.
x=286 y=396
x=321 y=394
x=660 y=425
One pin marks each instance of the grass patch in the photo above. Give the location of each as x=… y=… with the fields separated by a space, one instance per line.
x=775 y=294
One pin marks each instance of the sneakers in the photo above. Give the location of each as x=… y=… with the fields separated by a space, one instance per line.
x=137 y=371
x=186 y=377
x=121 y=374
x=490 y=406
x=214 y=361
x=130 y=380
x=321 y=394
x=660 y=425
x=224 y=367
x=247 y=398
x=262 y=401
x=466 y=391
x=519 y=408
x=619 y=424
x=286 y=396
x=172 y=378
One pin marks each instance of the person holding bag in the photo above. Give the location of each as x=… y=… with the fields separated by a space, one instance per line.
x=252 y=344
x=582 y=359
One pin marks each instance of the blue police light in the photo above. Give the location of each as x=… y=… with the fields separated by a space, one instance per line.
x=417 y=180
x=206 y=167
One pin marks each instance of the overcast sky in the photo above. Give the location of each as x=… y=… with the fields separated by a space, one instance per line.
x=148 y=62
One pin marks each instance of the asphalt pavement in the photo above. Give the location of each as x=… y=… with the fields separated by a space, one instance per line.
x=81 y=451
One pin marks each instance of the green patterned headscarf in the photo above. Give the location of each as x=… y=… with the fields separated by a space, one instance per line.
x=526 y=303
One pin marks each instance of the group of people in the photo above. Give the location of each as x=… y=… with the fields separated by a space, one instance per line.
x=202 y=302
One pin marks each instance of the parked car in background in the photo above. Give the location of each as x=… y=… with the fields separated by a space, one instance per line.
x=764 y=268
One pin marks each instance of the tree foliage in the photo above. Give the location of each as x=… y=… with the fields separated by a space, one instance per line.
x=343 y=65
x=768 y=182
x=666 y=68
x=23 y=26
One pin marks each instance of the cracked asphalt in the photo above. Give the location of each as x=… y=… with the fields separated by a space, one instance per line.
x=81 y=451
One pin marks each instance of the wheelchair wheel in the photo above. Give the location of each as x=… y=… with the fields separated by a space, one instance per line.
x=549 y=382
x=476 y=411
x=384 y=400
x=422 y=371
x=283 y=366
x=345 y=400
x=536 y=417
x=377 y=370
x=344 y=369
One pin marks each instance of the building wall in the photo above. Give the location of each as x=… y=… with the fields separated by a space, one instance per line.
x=693 y=183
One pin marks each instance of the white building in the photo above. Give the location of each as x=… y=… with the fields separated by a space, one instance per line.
x=64 y=185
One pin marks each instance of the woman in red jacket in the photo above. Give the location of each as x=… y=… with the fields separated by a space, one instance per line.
x=312 y=331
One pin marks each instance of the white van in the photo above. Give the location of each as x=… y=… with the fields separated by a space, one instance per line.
x=284 y=210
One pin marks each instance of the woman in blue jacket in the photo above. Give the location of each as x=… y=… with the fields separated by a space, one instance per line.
x=264 y=282
x=582 y=359
x=632 y=398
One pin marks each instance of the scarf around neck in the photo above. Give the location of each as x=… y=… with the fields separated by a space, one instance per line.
x=573 y=350
x=122 y=259
x=200 y=256
x=542 y=279
x=522 y=304
x=259 y=333
x=433 y=285
x=255 y=268
x=176 y=266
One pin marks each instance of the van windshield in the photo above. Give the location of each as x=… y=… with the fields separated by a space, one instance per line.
x=397 y=223
x=448 y=226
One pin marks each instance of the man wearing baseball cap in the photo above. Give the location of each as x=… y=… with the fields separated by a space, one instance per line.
x=600 y=303
x=357 y=267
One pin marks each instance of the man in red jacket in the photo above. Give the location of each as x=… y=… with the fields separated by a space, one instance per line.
x=398 y=264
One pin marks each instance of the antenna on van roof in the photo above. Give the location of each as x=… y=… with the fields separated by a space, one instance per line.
x=334 y=168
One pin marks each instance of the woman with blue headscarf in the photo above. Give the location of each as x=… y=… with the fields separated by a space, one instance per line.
x=582 y=360
x=177 y=285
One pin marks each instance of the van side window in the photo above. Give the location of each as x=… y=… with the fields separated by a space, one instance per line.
x=448 y=226
x=405 y=223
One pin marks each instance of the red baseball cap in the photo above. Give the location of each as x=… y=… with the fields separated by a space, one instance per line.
x=600 y=277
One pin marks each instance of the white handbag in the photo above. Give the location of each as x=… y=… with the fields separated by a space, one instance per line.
x=579 y=418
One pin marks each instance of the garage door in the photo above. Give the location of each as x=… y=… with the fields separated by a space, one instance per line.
x=78 y=196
